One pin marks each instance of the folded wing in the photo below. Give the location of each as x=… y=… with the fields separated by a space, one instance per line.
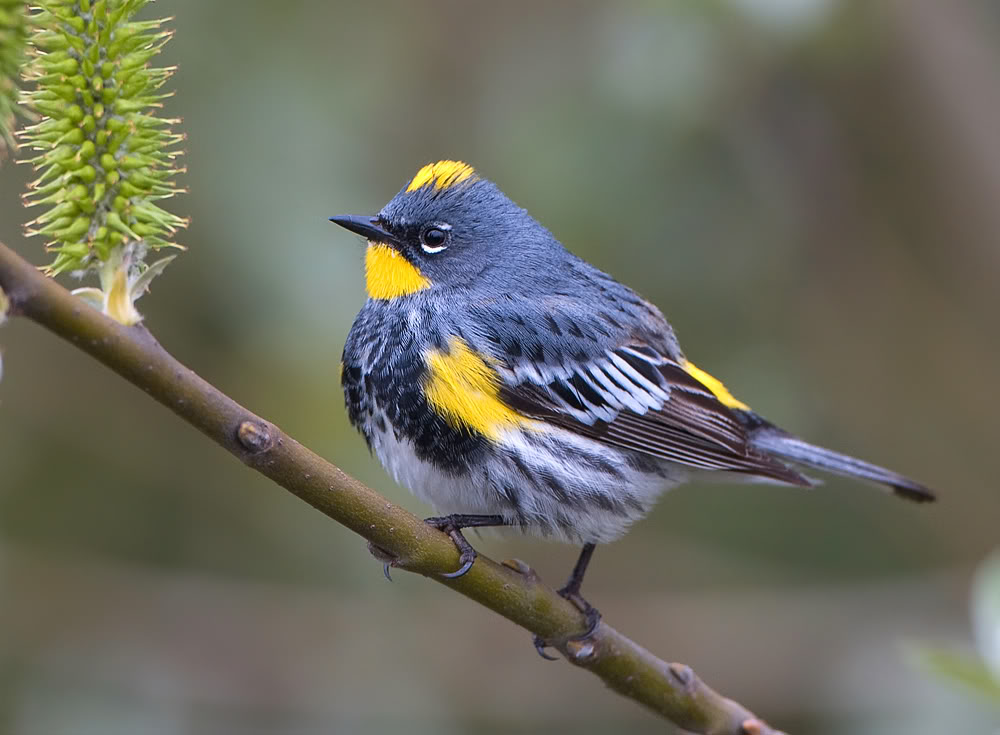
x=633 y=397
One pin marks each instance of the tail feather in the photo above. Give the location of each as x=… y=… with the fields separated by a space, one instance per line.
x=791 y=448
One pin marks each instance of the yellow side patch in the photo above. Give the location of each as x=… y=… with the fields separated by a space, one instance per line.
x=442 y=175
x=465 y=390
x=389 y=275
x=715 y=385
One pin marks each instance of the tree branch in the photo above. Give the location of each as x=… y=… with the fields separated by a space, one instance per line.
x=510 y=589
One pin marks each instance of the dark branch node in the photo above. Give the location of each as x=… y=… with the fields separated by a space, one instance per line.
x=254 y=436
x=683 y=675
x=521 y=568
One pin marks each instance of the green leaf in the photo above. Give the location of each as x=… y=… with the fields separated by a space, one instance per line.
x=141 y=284
x=969 y=672
x=93 y=296
x=986 y=611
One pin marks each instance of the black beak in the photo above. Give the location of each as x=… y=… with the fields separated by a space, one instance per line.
x=364 y=225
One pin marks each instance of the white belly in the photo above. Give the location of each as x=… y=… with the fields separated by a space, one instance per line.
x=551 y=483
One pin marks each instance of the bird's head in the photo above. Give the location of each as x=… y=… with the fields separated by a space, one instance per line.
x=448 y=227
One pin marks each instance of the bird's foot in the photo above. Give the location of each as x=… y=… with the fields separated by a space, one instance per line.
x=453 y=525
x=387 y=559
x=591 y=613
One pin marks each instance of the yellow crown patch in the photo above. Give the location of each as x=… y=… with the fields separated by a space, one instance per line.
x=441 y=175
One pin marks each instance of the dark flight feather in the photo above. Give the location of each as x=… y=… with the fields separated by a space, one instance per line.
x=692 y=427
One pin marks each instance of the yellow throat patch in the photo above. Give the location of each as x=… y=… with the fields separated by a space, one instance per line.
x=388 y=275
x=465 y=390
x=442 y=175
x=715 y=385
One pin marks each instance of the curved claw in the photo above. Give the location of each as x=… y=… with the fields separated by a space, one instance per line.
x=466 y=554
x=385 y=571
x=540 y=646
x=466 y=566
x=593 y=620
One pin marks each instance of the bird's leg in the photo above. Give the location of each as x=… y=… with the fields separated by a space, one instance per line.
x=453 y=525
x=571 y=592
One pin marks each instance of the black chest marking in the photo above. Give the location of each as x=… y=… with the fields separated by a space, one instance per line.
x=382 y=379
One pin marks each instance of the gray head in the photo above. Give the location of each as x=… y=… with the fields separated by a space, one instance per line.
x=450 y=228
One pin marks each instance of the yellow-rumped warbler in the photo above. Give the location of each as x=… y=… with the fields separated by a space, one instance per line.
x=507 y=382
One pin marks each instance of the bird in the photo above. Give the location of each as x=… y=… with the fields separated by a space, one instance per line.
x=509 y=383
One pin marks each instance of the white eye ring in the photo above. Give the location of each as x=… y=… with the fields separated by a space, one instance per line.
x=432 y=249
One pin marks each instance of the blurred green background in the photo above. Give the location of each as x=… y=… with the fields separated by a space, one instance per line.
x=810 y=190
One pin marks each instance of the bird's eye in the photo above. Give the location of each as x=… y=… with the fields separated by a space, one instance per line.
x=434 y=240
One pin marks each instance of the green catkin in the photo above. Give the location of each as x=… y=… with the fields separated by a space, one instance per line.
x=102 y=155
x=13 y=32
